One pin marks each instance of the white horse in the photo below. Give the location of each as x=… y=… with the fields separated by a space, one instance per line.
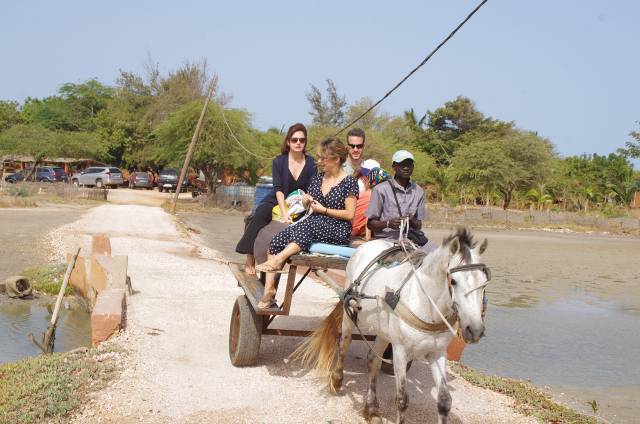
x=454 y=280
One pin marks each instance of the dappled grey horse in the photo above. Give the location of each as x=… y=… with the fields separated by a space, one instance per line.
x=412 y=305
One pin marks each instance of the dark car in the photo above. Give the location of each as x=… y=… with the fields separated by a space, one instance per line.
x=17 y=177
x=51 y=174
x=168 y=180
x=140 y=180
x=45 y=174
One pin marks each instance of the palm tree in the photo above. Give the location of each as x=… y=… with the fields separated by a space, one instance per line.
x=538 y=198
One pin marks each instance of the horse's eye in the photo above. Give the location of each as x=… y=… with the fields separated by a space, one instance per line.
x=453 y=282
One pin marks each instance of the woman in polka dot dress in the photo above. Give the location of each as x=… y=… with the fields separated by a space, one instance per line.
x=332 y=198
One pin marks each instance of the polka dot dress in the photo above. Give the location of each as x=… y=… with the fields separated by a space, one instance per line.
x=318 y=228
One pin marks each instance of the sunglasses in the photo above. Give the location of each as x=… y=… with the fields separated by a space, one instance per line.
x=356 y=146
x=298 y=139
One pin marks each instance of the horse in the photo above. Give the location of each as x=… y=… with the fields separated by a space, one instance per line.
x=449 y=283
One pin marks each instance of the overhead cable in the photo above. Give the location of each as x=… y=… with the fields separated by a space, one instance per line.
x=425 y=60
x=238 y=141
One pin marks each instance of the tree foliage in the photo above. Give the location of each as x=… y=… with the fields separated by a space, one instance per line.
x=329 y=110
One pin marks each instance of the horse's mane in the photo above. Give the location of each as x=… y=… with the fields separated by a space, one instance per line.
x=466 y=241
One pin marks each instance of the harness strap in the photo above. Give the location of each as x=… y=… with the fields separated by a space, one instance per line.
x=413 y=320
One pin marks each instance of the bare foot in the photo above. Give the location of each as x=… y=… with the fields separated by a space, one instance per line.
x=250 y=270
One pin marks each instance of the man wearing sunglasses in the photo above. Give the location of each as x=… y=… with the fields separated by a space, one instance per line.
x=355 y=146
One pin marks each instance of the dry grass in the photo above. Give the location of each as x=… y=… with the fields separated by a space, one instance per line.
x=49 y=388
x=528 y=399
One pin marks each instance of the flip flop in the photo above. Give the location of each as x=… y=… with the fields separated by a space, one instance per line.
x=272 y=304
x=264 y=267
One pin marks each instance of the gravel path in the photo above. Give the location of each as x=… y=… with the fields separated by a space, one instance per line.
x=178 y=370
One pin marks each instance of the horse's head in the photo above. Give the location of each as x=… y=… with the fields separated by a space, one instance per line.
x=467 y=278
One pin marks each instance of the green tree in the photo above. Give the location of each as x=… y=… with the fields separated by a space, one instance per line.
x=217 y=151
x=632 y=149
x=9 y=114
x=40 y=142
x=516 y=160
x=439 y=133
x=329 y=110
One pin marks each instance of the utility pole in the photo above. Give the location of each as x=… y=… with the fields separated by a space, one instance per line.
x=194 y=139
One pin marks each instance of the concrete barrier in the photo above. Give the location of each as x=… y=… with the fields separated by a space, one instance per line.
x=108 y=315
x=100 y=281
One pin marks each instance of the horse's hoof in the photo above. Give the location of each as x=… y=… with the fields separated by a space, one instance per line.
x=375 y=419
x=371 y=414
x=336 y=383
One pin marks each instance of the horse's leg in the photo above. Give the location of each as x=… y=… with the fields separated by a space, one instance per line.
x=400 y=371
x=439 y=372
x=371 y=412
x=345 y=340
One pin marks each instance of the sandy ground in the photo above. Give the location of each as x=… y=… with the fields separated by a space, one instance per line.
x=178 y=370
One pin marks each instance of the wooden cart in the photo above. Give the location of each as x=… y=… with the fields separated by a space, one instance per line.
x=248 y=323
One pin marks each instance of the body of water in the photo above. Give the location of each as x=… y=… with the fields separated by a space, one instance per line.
x=22 y=245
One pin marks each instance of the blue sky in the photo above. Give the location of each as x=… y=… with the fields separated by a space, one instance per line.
x=567 y=69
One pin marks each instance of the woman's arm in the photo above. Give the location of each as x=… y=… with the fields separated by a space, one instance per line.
x=278 y=184
x=345 y=214
x=282 y=205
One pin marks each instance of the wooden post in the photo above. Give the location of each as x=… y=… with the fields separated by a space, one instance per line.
x=194 y=139
x=48 y=338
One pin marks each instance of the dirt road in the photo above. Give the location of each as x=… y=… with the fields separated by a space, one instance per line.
x=178 y=368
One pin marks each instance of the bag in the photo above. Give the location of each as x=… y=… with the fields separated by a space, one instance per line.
x=294 y=207
x=416 y=236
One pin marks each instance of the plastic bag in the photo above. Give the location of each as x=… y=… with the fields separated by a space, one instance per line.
x=294 y=206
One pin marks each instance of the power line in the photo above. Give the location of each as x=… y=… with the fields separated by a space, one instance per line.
x=224 y=118
x=425 y=60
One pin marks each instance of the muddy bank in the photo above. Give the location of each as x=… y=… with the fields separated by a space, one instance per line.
x=562 y=310
x=24 y=244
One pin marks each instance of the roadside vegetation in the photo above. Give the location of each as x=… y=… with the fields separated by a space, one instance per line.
x=49 y=388
x=528 y=400
x=48 y=279
x=463 y=156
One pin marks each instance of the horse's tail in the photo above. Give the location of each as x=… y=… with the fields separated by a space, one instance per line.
x=318 y=351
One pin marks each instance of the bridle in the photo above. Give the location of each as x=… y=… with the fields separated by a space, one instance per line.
x=465 y=268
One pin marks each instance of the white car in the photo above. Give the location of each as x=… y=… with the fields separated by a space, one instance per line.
x=99 y=176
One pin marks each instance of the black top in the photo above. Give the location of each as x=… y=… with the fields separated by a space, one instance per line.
x=283 y=180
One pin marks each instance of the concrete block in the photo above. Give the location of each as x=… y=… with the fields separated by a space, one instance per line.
x=78 y=277
x=108 y=315
x=100 y=245
x=99 y=274
x=115 y=268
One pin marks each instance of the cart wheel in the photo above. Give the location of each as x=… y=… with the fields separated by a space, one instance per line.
x=245 y=333
x=388 y=368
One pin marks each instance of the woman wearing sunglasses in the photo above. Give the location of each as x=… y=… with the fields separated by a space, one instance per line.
x=291 y=170
x=332 y=199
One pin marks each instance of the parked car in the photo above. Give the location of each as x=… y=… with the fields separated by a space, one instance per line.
x=51 y=174
x=17 y=177
x=140 y=180
x=168 y=180
x=98 y=176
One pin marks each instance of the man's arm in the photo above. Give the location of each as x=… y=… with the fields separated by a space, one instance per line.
x=374 y=211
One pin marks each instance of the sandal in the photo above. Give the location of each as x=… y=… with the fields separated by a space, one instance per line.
x=265 y=267
x=271 y=304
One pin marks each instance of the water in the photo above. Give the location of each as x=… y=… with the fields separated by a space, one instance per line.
x=22 y=245
x=18 y=318
x=581 y=349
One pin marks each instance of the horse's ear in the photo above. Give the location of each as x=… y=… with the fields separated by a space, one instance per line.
x=483 y=246
x=454 y=246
